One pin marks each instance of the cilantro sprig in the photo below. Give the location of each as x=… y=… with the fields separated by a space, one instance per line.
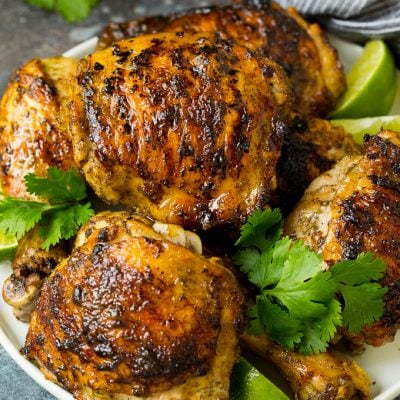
x=71 y=10
x=59 y=217
x=297 y=305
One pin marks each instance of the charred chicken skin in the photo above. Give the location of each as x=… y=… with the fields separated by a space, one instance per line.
x=312 y=147
x=132 y=314
x=33 y=137
x=354 y=208
x=187 y=128
x=281 y=35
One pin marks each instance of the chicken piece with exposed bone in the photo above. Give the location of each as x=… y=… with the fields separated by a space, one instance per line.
x=133 y=314
x=31 y=265
x=325 y=376
x=33 y=137
x=283 y=36
x=187 y=128
x=354 y=208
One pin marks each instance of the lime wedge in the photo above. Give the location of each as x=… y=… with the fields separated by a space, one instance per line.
x=8 y=246
x=371 y=84
x=359 y=127
x=247 y=383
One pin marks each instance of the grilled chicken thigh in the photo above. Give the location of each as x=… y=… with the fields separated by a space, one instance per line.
x=186 y=128
x=302 y=49
x=354 y=208
x=33 y=137
x=131 y=314
x=32 y=131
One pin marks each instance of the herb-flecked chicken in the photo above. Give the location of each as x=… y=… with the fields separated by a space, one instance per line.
x=33 y=137
x=131 y=314
x=283 y=36
x=354 y=208
x=185 y=127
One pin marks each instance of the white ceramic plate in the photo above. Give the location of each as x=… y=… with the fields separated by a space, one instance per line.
x=382 y=364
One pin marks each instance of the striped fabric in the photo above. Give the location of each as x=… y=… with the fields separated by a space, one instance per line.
x=357 y=20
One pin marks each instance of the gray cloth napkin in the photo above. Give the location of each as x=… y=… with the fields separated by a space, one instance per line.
x=356 y=20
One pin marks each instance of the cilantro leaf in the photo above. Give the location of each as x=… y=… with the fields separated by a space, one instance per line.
x=264 y=273
x=362 y=295
x=319 y=332
x=59 y=218
x=247 y=259
x=277 y=323
x=76 y=10
x=19 y=216
x=263 y=228
x=363 y=269
x=71 y=10
x=297 y=305
x=58 y=187
x=363 y=305
x=62 y=223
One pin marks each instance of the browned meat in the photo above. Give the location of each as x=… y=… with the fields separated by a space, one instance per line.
x=302 y=49
x=186 y=128
x=32 y=131
x=354 y=208
x=31 y=265
x=312 y=147
x=131 y=313
x=33 y=137
x=326 y=376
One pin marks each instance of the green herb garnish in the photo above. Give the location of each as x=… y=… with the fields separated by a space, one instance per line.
x=59 y=218
x=71 y=10
x=298 y=305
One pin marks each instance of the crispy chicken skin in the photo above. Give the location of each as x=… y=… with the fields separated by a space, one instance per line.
x=33 y=137
x=312 y=147
x=326 y=376
x=354 y=208
x=32 y=132
x=132 y=314
x=302 y=49
x=186 y=128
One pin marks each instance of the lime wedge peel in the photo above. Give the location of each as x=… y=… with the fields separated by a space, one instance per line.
x=249 y=384
x=371 y=84
x=359 y=127
x=8 y=246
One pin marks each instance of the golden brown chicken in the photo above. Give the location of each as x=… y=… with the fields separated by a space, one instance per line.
x=187 y=128
x=32 y=132
x=33 y=137
x=354 y=208
x=312 y=147
x=326 y=376
x=302 y=49
x=132 y=313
